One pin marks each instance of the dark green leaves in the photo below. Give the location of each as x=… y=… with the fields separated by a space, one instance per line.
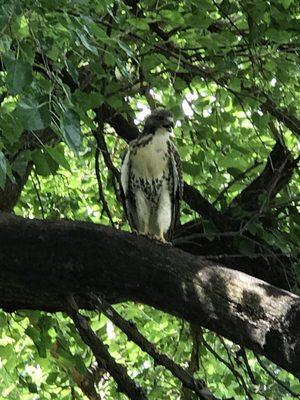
x=33 y=114
x=48 y=160
x=70 y=127
x=3 y=170
x=40 y=161
x=58 y=156
x=19 y=75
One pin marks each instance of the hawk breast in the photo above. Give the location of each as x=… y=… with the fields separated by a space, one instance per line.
x=149 y=157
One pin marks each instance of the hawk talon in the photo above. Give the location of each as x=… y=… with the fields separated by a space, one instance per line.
x=161 y=239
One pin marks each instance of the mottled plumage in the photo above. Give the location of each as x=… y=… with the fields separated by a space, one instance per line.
x=151 y=178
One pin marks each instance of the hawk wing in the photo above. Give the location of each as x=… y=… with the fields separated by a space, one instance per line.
x=175 y=187
x=127 y=196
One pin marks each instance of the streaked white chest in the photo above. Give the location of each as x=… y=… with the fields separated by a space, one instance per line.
x=150 y=161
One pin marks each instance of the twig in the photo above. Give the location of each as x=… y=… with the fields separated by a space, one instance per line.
x=242 y=380
x=242 y=353
x=130 y=330
x=101 y=143
x=100 y=186
x=104 y=359
x=38 y=193
x=193 y=365
x=236 y=373
x=273 y=376
x=89 y=381
x=239 y=177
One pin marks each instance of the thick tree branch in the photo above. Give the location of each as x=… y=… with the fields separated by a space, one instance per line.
x=41 y=262
x=282 y=114
x=104 y=359
x=203 y=207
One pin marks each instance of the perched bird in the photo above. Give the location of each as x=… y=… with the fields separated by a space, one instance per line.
x=151 y=178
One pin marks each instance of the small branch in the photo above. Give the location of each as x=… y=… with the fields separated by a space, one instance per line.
x=37 y=192
x=193 y=366
x=101 y=143
x=202 y=206
x=230 y=366
x=238 y=375
x=273 y=376
x=117 y=371
x=242 y=353
x=238 y=178
x=100 y=186
x=130 y=330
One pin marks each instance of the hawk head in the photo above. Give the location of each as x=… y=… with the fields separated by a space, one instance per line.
x=159 y=118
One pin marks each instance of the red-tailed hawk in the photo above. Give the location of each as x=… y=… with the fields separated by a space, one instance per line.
x=151 y=178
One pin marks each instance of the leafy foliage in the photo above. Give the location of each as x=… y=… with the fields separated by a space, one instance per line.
x=224 y=68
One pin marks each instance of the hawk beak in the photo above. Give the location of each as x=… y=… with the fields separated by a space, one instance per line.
x=169 y=126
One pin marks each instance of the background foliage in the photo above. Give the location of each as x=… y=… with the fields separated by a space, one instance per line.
x=229 y=71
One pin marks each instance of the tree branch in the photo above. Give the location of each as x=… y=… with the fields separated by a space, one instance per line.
x=57 y=258
x=133 y=334
x=12 y=190
x=104 y=359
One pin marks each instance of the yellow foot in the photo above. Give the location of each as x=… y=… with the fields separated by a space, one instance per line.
x=161 y=239
x=145 y=232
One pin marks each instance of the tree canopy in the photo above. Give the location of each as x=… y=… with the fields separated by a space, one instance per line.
x=93 y=312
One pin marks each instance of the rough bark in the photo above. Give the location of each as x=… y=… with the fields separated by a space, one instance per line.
x=42 y=262
x=12 y=190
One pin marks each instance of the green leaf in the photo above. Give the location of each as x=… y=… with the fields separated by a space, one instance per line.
x=40 y=162
x=5 y=42
x=6 y=351
x=172 y=16
x=244 y=246
x=286 y=3
x=79 y=364
x=67 y=358
x=32 y=387
x=52 y=377
x=11 y=128
x=279 y=35
x=3 y=170
x=233 y=160
x=70 y=126
x=127 y=50
x=93 y=49
x=234 y=172
x=19 y=75
x=88 y=101
x=58 y=155
x=33 y=114
x=191 y=169
x=35 y=336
